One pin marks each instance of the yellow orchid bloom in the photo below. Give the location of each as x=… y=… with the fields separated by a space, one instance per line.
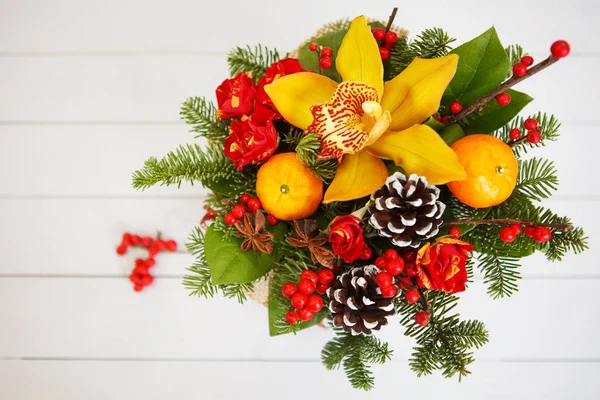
x=363 y=120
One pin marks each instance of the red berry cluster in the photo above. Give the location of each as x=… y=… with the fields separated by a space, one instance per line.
x=520 y=67
x=302 y=296
x=140 y=276
x=534 y=135
x=540 y=234
x=385 y=40
x=239 y=210
x=324 y=53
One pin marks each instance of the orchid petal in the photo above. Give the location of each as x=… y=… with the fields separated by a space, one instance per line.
x=415 y=94
x=293 y=95
x=358 y=175
x=420 y=150
x=358 y=58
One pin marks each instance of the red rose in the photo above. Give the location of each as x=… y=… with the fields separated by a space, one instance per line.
x=281 y=68
x=442 y=266
x=249 y=143
x=235 y=96
x=346 y=237
x=262 y=114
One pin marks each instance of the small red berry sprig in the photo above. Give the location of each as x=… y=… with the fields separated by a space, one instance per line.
x=533 y=136
x=302 y=297
x=140 y=276
x=386 y=38
x=247 y=204
x=540 y=234
x=324 y=54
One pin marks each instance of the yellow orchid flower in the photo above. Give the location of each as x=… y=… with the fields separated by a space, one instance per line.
x=363 y=120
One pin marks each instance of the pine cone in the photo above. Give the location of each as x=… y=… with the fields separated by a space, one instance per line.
x=406 y=210
x=356 y=302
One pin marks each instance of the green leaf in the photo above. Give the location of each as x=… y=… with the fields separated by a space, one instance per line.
x=435 y=125
x=482 y=66
x=452 y=133
x=496 y=116
x=229 y=264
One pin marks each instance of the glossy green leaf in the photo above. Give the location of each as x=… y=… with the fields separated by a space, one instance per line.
x=452 y=133
x=229 y=264
x=434 y=124
x=482 y=66
x=495 y=116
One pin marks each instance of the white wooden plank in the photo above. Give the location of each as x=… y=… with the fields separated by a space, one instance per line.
x=151 y=88
x=101 y=159
x=187 y=25
x=77 y=236
x=104 y=318
x=75 y=380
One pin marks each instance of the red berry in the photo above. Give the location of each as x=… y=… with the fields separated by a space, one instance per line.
x=147 y=280
x=366 y=254
x=560 y=49
x=326 y=52
x=438 y=118
x=503 y=99
x=138 y=287
x=395 y=267
x=271 y=219
x=150 y=262
x=454 y=231
x=519 y=69
x=126 y=239
x=389 y=291
x=121 y=250
x=390 y=38
x=445 y=118
x=152 y=251
x=254 y=204
x=244 y=198
x=306 y=286
x=135 y=240
x=299 y=300
x=147 y=241
x=288 y=289
x=542 y=234
x=160 y=244
x=530 y=124
x=310 y=275
x=378 y=33
x=412 y=296
x=230 y=219
x=527 y=60
x=314 y=303
x=530 y=231
x=380 y=262
x=390 y=254
x=305 y=314
x=141 y=270
x=383 y=279
x=292 y=317
x=384 y=53
x=322 y=287
x=325 y=276
x=534 y=137
x=455 y=107
x=410 y=269
x=515 y=133
x=171 y=245
x=326 y=62
x=313 y=47
x=422 y=318
x=238 y=211
x=410 y=256
x=507 y=235
x=135 y=278
x=517 y=228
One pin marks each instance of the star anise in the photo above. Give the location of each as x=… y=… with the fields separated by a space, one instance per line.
x=256 y=237
x=307 y=235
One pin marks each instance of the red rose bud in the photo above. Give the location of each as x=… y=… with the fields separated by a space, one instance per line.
x=235 y=97
x=281 y=68
x=442 y=265
x=249 y=143
x=346 y=237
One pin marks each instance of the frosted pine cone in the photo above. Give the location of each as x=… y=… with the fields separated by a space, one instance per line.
x=406 y=210
x=356 y=302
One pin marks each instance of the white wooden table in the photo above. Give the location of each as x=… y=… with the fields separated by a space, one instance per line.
x=90 y=89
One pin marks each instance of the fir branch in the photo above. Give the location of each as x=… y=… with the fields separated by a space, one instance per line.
x=537 y=178
x=562 y=242
x=201 y=114
x=307 y=150
x=188 y=163
x=514 y=53
x=500 y=273
x=548 y=127
x=431 y=43
x=253 y=60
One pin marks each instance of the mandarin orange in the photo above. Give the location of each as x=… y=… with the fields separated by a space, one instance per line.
x=287 y=189
x=491 y=169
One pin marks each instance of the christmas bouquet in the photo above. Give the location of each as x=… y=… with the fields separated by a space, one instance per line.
x=365 y=176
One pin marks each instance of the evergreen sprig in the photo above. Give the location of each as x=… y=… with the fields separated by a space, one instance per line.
x=562 y=242
x=253 y=60
x=537 y=178
x=201 y=114
x=307 y=150
x=514 y=53
x=500 y=273
x=548 y=123
x=354 y=354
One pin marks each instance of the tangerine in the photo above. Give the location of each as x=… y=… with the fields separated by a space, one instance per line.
x=491 y=169
x=287 y=189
